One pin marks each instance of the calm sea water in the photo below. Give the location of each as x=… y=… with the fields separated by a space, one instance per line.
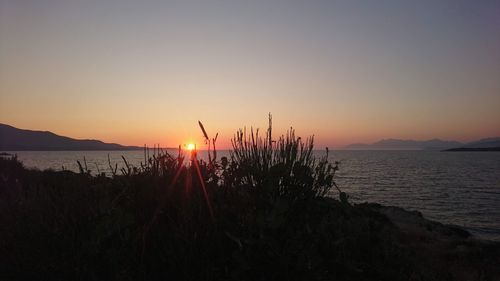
x=461 y=188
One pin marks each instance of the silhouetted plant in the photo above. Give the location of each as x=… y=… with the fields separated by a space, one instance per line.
x=262 y=214
x=282 y=168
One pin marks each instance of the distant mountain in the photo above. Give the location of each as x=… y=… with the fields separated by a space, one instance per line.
x=397 y=144
x=484 y=143
x=488 y=144
x=14 y=139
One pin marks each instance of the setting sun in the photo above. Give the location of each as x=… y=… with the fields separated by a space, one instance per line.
x=190 y=146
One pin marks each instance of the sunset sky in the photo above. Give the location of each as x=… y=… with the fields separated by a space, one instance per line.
x=144 y=72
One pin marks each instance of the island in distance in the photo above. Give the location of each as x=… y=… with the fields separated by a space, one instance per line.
x=397 y=144
x=488 y=144
x=14 y=139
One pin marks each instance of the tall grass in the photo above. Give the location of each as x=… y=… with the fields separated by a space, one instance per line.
x=260 y=215
x=285 y=167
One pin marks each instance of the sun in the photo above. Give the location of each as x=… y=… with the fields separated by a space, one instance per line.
x=190 y=146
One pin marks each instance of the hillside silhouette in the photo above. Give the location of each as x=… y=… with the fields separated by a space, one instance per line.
x=398 y=144
x=14 y=139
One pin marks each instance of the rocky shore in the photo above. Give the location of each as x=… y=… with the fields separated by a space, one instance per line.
x=446 y=248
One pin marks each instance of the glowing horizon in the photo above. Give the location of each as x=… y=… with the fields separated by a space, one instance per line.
x=138 y=73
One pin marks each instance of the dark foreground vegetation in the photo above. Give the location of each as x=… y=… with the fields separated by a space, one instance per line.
x=267 y=213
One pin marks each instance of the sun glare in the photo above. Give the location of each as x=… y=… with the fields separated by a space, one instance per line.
x=190 y=146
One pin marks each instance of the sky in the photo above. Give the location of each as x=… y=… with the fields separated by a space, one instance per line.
x=145 y=72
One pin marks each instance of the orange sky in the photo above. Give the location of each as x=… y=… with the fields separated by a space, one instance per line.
x=142 y=73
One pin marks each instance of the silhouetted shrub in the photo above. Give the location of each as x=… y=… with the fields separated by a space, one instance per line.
x=263 y=214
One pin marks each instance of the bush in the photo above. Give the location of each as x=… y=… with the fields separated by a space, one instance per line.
x=263 y=214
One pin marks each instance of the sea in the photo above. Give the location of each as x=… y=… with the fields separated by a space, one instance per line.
x=459 y=188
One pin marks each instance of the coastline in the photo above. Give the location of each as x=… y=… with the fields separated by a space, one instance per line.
x=464 y=256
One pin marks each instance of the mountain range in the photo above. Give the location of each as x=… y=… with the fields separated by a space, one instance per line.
x=397 y=144
x=433 y=144
x=488 y=144
x=14 y=139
